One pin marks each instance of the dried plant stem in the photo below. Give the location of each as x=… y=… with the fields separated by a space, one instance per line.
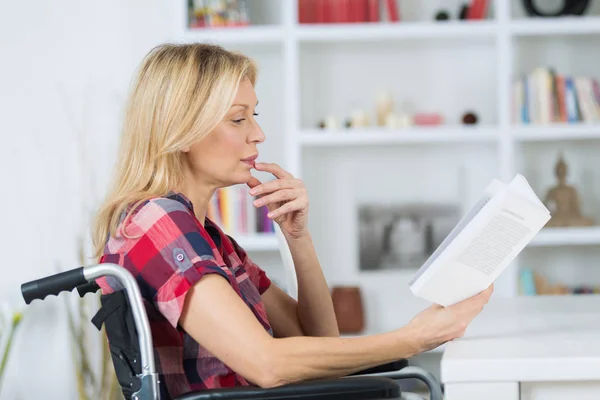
x=13 y=329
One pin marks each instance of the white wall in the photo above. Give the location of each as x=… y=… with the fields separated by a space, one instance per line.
x=64 y=74
x=56 y=56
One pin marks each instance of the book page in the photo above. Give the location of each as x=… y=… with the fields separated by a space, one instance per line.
x=495 y=243
x=520 y=185
x=494 y=187
x=483 y=255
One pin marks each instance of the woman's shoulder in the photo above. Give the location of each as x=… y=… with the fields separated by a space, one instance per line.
x=154 y=209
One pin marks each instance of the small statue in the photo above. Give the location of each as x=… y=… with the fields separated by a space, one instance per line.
x=563 y=201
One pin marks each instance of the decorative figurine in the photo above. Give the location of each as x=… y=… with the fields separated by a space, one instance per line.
x=569 y=7
x=462 y=14
x=563 y=201
x=359 y=119
x=385 y=106
x=329 y=122
x=348 y=308
x=442 y=15
x=428 y=119
x=469 y=118
x=404 y=121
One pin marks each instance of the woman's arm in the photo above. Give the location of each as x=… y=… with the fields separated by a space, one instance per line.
x=313 y=314
x=216 y=317
x=315 y=307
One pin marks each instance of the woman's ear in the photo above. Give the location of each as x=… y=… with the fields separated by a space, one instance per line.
x=186 y=149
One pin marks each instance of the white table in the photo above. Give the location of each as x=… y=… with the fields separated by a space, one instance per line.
x=528 y=348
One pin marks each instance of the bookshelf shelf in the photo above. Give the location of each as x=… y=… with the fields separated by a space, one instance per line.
x=382 y=136
x=555 y=132
x=567 y=237
x=383 y=31
x=556 y=26
x=258 y=242
x=257 y=34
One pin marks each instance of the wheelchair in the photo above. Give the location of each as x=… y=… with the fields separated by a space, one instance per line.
x=130 y=341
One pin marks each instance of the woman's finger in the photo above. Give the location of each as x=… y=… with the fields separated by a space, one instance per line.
x=276 y=184
x=288 y=207
x=278 y=196
x=273 y=169
x=253 y=182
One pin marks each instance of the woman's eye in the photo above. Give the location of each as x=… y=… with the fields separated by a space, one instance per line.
x=239 y=121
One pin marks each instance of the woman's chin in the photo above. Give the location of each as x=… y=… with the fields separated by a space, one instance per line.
x=242 y=177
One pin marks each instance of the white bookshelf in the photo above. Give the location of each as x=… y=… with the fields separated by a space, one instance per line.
x=449 y=66
x=383 y=136
x=557 y=132
x=267 y=34
x=556 y=26
x=584 y=236
x=385 y=31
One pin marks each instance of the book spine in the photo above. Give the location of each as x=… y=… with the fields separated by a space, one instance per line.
x=373 y=10
x=392 y=10
x=571 y=101
x=525 y=105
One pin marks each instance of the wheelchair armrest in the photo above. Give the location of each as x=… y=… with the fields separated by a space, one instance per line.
x=435 y=389
x=389 y=367
x=323 y=389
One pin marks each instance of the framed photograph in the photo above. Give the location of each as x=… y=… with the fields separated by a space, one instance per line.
x=395 y=236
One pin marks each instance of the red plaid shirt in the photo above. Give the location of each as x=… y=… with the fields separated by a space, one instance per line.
x=168 y=253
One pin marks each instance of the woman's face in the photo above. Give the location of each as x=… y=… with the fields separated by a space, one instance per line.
x=226 y=155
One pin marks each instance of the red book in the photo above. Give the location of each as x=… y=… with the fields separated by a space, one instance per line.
x=328 y=10
x=302 y=11
x=562 y=106
x=483 y=9
x=345 y=11
x=318 y=11
x=392 y=10
x=338 y=12
x=353 y=10
x=373 y=11
x=363 y=10
x=472 y=11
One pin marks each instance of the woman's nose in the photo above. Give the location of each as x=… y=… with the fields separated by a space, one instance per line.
x=257 y=135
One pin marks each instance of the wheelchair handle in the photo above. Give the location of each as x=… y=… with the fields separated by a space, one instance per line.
x=53 y=285
x=68 y=280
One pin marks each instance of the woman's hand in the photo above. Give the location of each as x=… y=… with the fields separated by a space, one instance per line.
x=437 y=325
x=285 y=197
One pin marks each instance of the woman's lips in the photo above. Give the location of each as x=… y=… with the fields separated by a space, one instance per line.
x=250 y=160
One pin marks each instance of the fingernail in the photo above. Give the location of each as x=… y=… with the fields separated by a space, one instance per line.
x=270 y=215
x=252 y=192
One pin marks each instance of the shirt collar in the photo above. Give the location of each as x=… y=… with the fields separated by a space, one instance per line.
x=182 y=199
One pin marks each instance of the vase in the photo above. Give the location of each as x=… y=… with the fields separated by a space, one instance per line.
x=348 y=307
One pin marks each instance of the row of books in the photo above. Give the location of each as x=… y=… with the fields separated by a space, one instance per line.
x=217 y=13
x=231 y=208
x=345 y=11
x=545 y=96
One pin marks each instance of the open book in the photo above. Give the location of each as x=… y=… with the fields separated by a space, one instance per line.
x=482 y=244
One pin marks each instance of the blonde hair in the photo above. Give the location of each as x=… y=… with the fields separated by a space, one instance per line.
x=180 y=93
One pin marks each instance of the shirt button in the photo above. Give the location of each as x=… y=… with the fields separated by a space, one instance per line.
x=179 y=257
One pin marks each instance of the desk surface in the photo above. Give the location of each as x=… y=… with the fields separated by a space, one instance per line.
x=541 y=338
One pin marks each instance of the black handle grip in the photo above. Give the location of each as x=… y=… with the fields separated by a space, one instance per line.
x=90 y=287
x=53 y=284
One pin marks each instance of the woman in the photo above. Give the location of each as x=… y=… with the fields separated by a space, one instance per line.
x=216 y=319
